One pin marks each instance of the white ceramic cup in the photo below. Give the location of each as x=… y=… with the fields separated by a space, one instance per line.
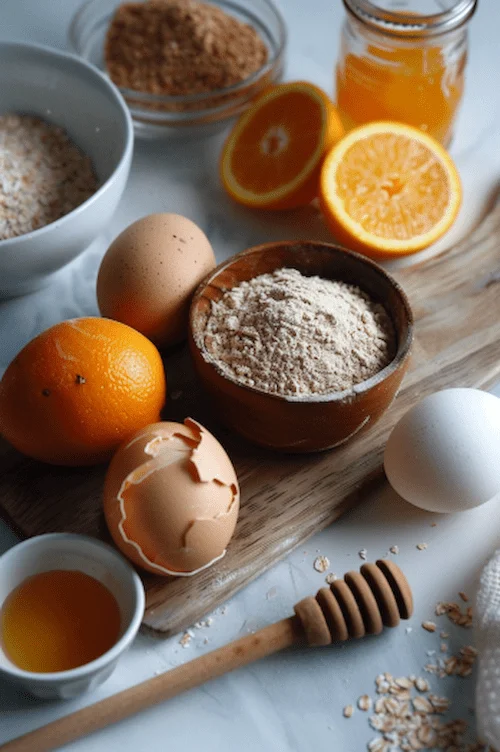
x=73 y=552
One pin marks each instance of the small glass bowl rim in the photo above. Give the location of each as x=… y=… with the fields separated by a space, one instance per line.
x=142 y=97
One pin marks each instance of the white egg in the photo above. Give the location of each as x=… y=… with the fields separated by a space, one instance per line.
x=444 y=454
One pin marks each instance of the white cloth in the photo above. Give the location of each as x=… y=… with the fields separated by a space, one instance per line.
x=487 y=628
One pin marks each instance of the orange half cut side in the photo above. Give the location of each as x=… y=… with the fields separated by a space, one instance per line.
x=273 y=156
x=388 y=189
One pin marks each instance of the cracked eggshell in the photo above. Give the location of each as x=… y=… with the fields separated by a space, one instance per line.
x=171 y=498
x=149 y=273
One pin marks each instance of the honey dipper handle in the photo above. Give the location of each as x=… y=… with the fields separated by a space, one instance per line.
x=251 y=648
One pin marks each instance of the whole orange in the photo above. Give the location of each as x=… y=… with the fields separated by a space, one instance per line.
x=79 y=389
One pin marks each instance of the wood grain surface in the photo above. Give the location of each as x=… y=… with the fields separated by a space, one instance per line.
x=285 y=499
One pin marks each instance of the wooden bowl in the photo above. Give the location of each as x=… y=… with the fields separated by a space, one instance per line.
x=316 y=422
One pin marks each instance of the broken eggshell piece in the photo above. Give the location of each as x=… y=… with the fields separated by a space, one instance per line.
x=171 y=498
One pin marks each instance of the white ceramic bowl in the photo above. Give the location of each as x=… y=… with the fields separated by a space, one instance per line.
x=74 y=552
x=65 y=90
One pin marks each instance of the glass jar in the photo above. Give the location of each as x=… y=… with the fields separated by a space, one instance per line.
x=403 y=60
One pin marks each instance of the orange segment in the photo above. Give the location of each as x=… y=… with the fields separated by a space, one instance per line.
x=388 y=189
x=273 y=156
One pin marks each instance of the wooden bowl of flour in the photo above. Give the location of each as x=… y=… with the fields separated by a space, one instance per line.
x=310 y=419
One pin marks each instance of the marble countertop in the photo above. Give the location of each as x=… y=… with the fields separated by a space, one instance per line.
x=291 y=702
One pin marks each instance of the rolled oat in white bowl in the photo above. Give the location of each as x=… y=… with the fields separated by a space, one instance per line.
x=83 y=165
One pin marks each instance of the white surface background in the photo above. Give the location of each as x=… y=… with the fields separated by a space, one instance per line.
x=292 y=701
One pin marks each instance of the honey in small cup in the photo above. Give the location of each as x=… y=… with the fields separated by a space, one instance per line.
x=403 y=62
x=70 y=605
x=58 y=620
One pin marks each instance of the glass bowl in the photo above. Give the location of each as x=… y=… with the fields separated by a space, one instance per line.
x=160 y=116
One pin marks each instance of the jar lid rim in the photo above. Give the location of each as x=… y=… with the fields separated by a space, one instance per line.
x=403 y=23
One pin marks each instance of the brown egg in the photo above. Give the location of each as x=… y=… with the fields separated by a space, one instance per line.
x=171 y=498
x=149 y=273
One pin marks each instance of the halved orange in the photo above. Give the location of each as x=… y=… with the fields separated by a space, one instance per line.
x=273 y=156
x=388 y=189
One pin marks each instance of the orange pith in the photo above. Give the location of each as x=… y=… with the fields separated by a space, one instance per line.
x=79 y=389
x=388 y=189
x=273 y=156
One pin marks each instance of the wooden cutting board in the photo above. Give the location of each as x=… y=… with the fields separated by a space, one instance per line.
x=285 y=499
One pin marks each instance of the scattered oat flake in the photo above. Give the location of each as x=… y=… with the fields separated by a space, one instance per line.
x=185 y=640
x=455 y=614
x=321 y=564
x=422 y=705
x=363 y=553
x=421 y=684
x=443 y=647
x=364 y=703
x=403 y=682
x=378 y=722
x=421 y=546
x=394 y=550
x=382 y=683
x=461 y=664
x=348 y=711
x=429 y=626
x=440 y=704
x=379 y=744
x=444 y=635
x=393 y=706
x=428 y=736
x=415 y=723
x=463 y=596
x=330 y=578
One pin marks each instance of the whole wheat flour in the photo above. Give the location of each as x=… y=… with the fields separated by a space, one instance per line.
x=292 y=335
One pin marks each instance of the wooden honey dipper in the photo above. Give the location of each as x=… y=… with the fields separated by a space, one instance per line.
x=362 y=603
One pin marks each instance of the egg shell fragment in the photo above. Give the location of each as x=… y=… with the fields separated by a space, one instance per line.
x=444 y=454
x=149 y=273
x=171 y=498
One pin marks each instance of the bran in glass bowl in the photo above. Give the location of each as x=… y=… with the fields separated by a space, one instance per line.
x=187 y=101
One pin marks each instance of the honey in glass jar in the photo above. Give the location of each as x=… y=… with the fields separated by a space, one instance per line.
x=403 y=60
